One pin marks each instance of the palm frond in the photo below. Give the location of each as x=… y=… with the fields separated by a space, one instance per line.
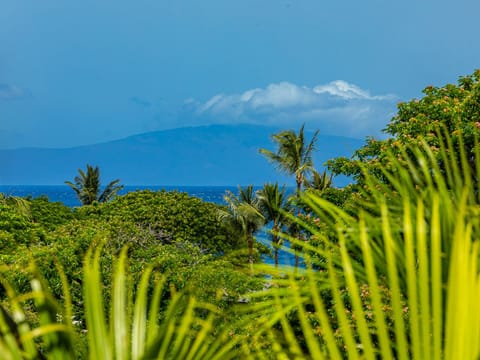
x=137 y=326
x=293 y=155
x=399 y=279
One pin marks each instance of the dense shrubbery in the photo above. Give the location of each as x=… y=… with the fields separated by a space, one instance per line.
x=174 y=217
x=49 y=214
x=17 y=229
x=176 y=235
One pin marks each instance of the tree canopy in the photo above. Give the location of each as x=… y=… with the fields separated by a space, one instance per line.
x=452 y=110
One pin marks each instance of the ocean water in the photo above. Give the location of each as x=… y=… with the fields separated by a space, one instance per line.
x=64 y=194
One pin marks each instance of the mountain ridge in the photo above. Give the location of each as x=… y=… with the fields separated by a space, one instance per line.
x=212 y=155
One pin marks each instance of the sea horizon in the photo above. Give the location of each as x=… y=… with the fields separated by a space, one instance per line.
x=64 y=194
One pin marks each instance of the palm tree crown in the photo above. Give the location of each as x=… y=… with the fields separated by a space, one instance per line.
x=87 y=186
x=294 y=155
x=318 y=182
x=273 y=204
x=243 y=210
x=272 y=200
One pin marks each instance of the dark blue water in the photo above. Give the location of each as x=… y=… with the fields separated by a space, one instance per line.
x=64 y=194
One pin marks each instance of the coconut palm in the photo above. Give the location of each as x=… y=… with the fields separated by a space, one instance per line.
x=318 y=182
x=293 y=157
x=272 y=201
x=243 y=211
x=87 y=186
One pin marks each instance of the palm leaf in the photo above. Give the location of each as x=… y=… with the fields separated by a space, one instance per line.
x=402 y=274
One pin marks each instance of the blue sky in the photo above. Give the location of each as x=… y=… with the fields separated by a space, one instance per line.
x=81 y=72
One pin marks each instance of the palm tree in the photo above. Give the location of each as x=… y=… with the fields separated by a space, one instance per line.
x=293 y=157
x=87 y=186
x=243 y=211
x=318 y=182
x=272 y=201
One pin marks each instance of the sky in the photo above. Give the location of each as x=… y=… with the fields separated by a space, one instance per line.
x=83 y=72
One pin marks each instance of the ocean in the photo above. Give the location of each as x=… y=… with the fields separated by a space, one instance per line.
x=64 y=194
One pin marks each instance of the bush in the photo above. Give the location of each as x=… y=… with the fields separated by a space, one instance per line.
x=174 y=217
x=17 y=229
x=49 y=214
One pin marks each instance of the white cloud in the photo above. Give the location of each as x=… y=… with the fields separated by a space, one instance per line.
x=10 y=92
x=336 y=108
x=348 y=91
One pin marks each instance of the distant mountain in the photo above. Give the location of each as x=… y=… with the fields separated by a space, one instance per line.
x=207 y=155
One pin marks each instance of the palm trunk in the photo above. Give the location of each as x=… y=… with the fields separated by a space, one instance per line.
x=250 y=251
x=299 y=187
x=275 y=242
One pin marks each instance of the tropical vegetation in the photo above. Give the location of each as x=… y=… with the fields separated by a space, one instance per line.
x=294 y=156
x=243 y=213
x=450 y=112
x=391 y=261
x=87 y=186
x=273 y=204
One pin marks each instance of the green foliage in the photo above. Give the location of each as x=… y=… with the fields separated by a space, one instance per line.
x=273 y=205
x=173 y=217
x=272 y=201
x=173 y=233
x=318 y=182
x=395 y=280
x=133 y=330
x=116 y=225
x=442 y=111
x=20 y=205
x=49 y=214
x=134 y=324
x=16 y=229
x=243 y=213
x=337 y=196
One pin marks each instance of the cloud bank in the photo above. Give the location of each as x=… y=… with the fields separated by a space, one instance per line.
x=338 y=108
x=12 y=92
